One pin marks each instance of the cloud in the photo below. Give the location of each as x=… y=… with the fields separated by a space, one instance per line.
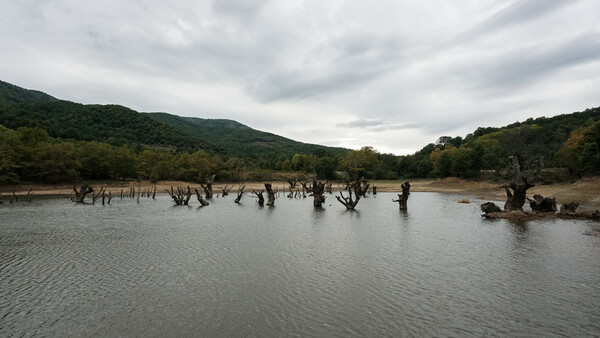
x=378 y=125
x=342 y=72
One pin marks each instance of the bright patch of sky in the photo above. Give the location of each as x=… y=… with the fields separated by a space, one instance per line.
x=393 y=74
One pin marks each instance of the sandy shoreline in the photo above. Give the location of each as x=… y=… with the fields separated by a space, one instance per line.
x=585 y=191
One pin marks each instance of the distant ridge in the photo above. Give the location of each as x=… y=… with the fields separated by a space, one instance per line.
x=120 y=125
x=239 y=139
x=10 y=93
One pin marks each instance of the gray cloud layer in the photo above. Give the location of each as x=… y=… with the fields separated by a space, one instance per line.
x=392 y=74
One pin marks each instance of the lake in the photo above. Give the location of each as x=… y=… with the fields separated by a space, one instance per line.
x=153 y=269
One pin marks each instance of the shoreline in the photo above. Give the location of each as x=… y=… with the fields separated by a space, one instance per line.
x=585 y=191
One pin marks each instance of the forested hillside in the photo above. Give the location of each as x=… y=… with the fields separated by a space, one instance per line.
x=12 y=94
x=43 y=139
x=238 y=139
x=564 y=141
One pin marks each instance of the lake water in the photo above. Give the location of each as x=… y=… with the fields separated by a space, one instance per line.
x=152 y=269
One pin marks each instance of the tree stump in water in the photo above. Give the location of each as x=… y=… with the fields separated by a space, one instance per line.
x=202 y=201
x=181 y=196
x=403 y=198
x=348 y=202
x=515 y=199
x=328 y=187
x=226 y=190
x=208 y=192
x=317 y=190
x=270 y=194
x=489 y=207
x=80 y=195
x=239 y=194
x=259 y=195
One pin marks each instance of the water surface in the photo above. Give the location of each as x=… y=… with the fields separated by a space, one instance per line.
x=152 y=269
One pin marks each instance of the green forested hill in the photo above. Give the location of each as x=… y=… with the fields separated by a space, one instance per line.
x=569 y=141
x=12 y=94
x=238 y=139
x=112 y=124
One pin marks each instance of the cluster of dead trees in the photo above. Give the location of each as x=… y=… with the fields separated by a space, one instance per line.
x=85 y=191
x=15 y=198
x=516 y=197
x=182 y=195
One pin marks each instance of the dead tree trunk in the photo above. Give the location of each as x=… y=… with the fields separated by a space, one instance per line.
x=292 y=183
x=154 y=193
x=208 y=188
x=348 y=202
x=109 y=197
x=226 y=190
x=80 y=195
x=95 y=197
x=259 y=195
x=403 y=197
x=181 y=196
x=318 y=190
x=364 y=187
x=240 y=194
x=328 y=187
x=202 y=201
x=270 y=194
x=515 y=199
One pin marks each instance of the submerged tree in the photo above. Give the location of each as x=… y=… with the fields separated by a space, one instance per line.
x=349 y=202
x=270 y=194
x=83 y=191
x=516 y=191
x=403 y=198
x=208 y=192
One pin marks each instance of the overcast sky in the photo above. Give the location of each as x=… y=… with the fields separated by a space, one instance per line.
x=393 y=74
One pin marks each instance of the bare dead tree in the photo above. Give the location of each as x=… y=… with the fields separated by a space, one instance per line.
x=515 y=199
x=317 y=190
x=403 y=197
x=240 y=193
x=202 y=201
x=154 y=193
x=226 y=190
x=181 y=196
x=348 y=202
x=208 y=192
x=364 y=187
x=95 y=197
x=270 y=194
x=328 y=187
x=292 y=182
x=83 y=191
x=259 y=195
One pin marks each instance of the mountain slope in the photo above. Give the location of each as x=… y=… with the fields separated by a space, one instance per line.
x=113 y=124
x=13 y=94
x=239 y=139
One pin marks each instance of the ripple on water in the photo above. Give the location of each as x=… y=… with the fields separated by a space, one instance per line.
x=229 y=270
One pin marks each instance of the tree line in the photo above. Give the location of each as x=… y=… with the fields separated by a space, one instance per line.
x=32 y=155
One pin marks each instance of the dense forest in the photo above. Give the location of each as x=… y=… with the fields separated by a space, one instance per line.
x=43 y=139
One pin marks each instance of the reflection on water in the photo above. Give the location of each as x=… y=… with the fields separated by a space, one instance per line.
x=151 y=269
